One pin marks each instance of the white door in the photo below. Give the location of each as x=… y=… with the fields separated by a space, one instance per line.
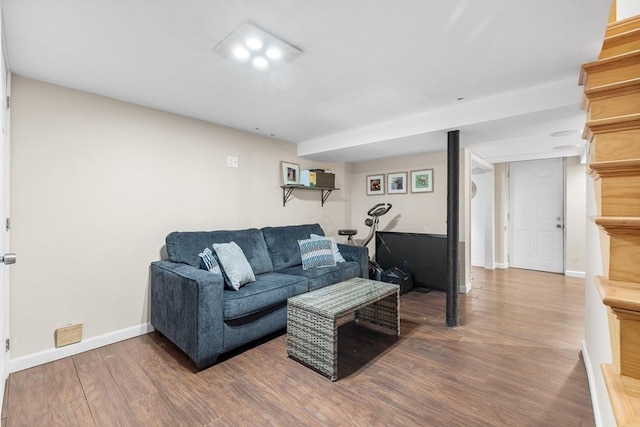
x=536 y=191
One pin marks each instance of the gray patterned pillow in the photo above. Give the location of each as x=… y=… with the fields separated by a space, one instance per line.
x=316 y=253
x=235 y=264
x=334 y=246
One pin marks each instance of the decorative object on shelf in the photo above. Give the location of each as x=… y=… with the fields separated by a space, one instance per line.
x=397 y=183
x=290 y=173
x=317 y=178
x=375 y=185
x=422 y=181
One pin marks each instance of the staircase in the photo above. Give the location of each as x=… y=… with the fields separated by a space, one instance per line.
x=612 y=101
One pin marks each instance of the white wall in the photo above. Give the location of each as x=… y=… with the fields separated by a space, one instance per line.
x=478 y=214
x=96 y=186
x=597 y=343
x=627 y=8
x=501 y=191
x=575 y=217
x=4 y=213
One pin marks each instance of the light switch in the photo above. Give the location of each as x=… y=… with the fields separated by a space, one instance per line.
x=232 y=161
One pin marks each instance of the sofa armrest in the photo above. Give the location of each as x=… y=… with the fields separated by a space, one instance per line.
x=359 y=254
x=187 y=307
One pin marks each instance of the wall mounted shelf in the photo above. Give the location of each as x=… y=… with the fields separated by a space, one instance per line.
x=287 y=190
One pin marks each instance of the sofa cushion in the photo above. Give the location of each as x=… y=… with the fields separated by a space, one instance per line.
x=184 y=246
x=236 y=268
x=269 y=290
x=316 y=253
x=282 y=243
x=321 y=277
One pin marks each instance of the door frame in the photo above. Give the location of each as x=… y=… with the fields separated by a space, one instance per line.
x=486 y=169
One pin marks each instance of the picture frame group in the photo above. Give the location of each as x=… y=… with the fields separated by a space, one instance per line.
x=418 y=181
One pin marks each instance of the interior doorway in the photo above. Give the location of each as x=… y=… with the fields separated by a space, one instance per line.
x=536 y=215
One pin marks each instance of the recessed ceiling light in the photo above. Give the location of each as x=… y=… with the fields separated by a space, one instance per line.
x=565 y=133
x=250 y=42
x=567 y=147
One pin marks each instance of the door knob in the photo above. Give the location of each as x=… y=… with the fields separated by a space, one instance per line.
x=8 y=259
x=558 y=225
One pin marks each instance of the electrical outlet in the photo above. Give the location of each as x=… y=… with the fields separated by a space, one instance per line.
x=232 y=161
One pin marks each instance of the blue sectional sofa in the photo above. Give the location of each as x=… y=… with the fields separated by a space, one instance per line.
x=193 y=309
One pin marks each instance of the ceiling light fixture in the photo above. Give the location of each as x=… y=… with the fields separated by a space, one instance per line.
x=260 y=62
x=251 y=44
x=254 y=43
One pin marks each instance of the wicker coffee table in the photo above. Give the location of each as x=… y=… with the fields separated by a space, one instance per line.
x=313 y=319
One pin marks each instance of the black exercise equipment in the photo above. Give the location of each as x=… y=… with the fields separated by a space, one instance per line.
x=372 y=222
x=375 y=272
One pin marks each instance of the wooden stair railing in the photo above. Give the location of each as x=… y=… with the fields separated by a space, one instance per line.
x=612 y=101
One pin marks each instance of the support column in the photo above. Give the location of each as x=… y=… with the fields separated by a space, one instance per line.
x=453 y=225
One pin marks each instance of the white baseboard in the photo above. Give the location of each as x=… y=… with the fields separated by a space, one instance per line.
x=592 y=384
x=3 y=375
x=502 y=265
x=46 y=356
x=578 y=274
x=464 y=289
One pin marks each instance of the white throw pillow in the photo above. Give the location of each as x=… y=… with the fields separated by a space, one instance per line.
x=337 y=256
x=234 y=264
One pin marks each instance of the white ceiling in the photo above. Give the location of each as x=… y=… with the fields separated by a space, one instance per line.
x=375 y=79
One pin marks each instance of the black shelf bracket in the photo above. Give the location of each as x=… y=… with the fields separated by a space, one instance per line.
x=286 y=194
x=287 y=191
x=324 y=195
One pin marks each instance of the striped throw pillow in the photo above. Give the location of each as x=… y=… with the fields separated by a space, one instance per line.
x=316 y=253
x=208 y=261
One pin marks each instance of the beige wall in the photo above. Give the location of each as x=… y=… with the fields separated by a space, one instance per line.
x=96 y=185
x=412 y=212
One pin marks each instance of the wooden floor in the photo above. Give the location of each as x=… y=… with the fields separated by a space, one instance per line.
x=513 y=361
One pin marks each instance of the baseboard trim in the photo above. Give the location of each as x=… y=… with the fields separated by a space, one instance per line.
x=592 y=384
x=464 y=289
x=3 y=375
x=578 y=274
x=502 y=265
x=46 y=356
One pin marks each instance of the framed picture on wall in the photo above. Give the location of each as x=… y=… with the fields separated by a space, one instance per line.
x=422 y=181
x=397 y=183
x=375 y=185
x=290 y=173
